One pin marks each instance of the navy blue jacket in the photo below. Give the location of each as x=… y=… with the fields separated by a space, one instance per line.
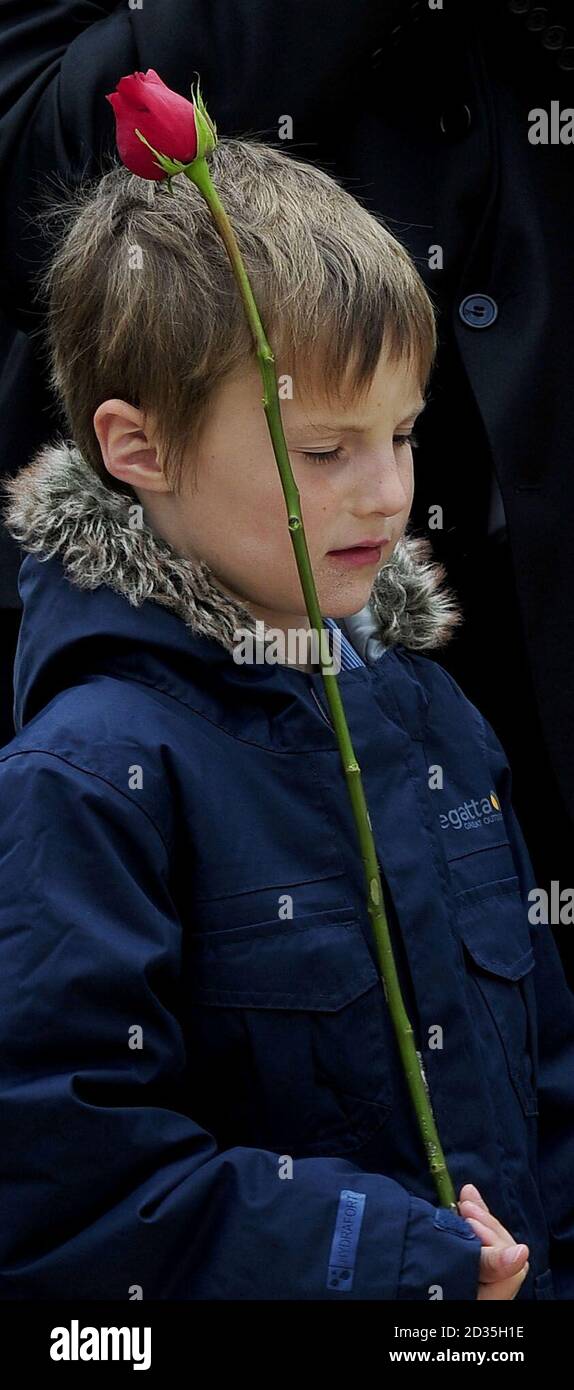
x=201 y=1091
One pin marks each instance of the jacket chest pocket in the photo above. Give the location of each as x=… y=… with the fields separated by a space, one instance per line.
x=499 y=957
x=288 y=1031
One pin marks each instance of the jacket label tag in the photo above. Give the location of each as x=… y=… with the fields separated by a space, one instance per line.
x=345 y=1240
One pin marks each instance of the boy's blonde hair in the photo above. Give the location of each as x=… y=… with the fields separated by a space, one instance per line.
x=142 y=303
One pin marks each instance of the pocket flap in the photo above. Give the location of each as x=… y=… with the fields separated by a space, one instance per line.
x=493 y=924
x=320 y=962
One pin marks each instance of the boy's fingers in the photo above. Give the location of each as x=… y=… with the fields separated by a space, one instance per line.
x=505 y=1288
x=496 y=1264
x=480 y=1214
x=486 y=1234
x=471 y=1193
x=473 y=1209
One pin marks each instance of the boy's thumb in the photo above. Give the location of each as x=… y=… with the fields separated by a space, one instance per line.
x=500 y=1263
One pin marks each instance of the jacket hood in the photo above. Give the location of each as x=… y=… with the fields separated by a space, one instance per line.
x=86 y=557
x=58 y=506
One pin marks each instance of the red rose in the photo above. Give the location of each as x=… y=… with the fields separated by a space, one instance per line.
x=167 y=120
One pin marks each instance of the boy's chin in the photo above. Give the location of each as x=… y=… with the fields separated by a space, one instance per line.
x=343 y=606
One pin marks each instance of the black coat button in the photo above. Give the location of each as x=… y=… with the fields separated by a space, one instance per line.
x=478 y=310
x=537 y=18
x=554 y=37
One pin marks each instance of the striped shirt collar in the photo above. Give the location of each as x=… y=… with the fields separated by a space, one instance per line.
x=349 y=657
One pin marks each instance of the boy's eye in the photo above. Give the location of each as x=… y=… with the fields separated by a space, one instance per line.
x=323 y=458
x=402 y=439
x=333 y=454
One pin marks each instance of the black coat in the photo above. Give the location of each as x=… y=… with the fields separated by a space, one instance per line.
x=424 y=116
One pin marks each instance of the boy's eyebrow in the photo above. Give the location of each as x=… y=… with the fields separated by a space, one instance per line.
x=415 y=410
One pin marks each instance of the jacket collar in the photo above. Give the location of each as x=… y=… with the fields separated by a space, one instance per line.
x=58 y=505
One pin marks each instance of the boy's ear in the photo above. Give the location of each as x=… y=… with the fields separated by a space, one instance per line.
x=127 y=451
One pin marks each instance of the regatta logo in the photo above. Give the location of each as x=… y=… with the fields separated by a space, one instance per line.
x=472 y=814
x=75 y=1343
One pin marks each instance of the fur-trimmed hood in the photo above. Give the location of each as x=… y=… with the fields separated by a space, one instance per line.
x=58 y=506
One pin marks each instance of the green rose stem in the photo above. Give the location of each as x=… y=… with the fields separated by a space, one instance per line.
x=199 y=174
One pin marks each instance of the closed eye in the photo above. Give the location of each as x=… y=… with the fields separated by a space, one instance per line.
x=399 y=440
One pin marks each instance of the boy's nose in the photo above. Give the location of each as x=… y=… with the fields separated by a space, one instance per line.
x=383 y=489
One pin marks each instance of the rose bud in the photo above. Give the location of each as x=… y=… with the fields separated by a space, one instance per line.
x=167 y=120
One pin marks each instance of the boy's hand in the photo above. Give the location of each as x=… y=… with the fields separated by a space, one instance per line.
x=498 y=1279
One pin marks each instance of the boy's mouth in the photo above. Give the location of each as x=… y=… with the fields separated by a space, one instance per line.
x=367 y=553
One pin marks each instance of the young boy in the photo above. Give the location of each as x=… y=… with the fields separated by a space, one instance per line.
x=202 y=1089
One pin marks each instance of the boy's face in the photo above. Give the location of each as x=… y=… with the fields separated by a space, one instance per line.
x=235 y=516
